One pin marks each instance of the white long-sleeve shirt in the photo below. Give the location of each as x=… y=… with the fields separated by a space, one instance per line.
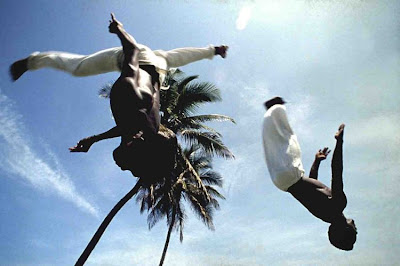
x=281 y=148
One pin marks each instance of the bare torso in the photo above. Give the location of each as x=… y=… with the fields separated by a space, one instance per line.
x=317 y=198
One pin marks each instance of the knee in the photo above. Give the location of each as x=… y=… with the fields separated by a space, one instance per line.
x=81 y=71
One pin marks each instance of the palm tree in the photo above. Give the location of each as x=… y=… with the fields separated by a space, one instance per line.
x=196 y=178
x=192 y=178
x=168 y=198
x=96 y=237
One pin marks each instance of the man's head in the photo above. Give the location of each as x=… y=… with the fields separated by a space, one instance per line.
x=343 y=234
x=122 y=157
x=150 y=157
x=132 y=156
x=271 y=102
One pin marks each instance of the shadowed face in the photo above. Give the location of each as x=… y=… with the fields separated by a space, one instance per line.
x=343 y=235
x=135 y=158
x=121 y=158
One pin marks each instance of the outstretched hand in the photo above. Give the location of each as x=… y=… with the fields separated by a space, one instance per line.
x=83 y=145
x=114 y=24
x=322 y=154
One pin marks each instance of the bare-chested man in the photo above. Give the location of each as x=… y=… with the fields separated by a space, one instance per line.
x=283 y=157
x=134 y=100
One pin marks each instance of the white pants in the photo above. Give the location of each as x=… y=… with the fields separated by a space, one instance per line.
x=110 y=60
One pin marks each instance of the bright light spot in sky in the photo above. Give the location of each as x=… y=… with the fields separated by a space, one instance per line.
x=243 y=18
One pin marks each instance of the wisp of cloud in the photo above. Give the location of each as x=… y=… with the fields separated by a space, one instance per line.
x=20 y=159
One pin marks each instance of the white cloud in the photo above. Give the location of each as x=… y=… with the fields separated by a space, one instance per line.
x=243 y=17
x=383 y=127
x=18 y=157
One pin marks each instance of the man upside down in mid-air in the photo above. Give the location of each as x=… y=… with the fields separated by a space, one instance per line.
x=134 y=101
x=283 y=157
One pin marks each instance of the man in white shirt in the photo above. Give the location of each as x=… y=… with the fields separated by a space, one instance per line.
x=283 y=157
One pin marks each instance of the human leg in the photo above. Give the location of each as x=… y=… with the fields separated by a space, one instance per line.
x=77 y=65
x=183 y=56
x=338 y=195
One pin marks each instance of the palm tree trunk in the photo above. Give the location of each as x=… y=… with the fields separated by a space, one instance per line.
x=95 y=239
x=171 y=225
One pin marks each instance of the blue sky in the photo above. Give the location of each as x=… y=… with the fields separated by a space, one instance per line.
x=333 y=61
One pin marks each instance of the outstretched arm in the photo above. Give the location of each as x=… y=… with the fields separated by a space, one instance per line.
x=319 y=156
x=84 y=144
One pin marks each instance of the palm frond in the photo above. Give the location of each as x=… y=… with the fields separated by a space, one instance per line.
x=173 y=77
x=193 y=95
x=142 y=200
x=180 y=220
x=168 y=100
x=211 y=143
x=214 y=192
x=207 y=118
x=215 y=204
x=201 y=165
x=181 y=85
x=200 y=208
x=199 y=159
x=193 y=173
x=105 y=90
x=190 y=150
x=195 y=126
x=159 y=211
x=212 y=178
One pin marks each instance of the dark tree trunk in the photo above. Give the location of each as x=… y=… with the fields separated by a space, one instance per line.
x=168 y=237
x=95 y=239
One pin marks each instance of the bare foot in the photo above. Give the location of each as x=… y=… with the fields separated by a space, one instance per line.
x=18 y=68
x=221 y=50
x=115 y=25
x=340 y=132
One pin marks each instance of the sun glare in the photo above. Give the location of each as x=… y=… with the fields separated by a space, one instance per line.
x=243 y=18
